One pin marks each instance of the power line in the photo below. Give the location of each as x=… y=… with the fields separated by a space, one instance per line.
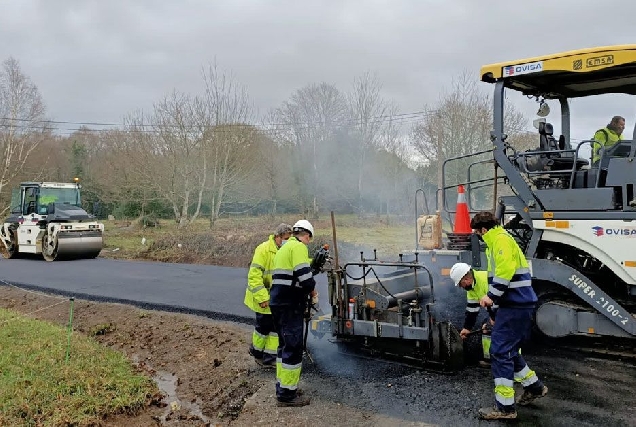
x=399 y=117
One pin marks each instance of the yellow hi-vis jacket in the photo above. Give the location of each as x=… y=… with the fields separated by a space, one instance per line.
x=480 y=288
x=293 y=279
x=259 y=277
x=603 y=138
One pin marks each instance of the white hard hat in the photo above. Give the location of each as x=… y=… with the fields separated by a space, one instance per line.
x=458 y=271
x=303 y=224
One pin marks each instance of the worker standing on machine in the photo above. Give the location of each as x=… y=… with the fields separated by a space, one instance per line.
x=475 y=283
x=293 y=282
x=259 y=281
x=511 y=290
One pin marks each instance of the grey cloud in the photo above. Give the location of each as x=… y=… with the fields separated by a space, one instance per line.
x=97 y=61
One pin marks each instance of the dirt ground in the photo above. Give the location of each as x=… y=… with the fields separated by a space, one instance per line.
x=202 y=366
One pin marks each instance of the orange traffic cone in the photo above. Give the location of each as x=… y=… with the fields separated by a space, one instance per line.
x=462 y=217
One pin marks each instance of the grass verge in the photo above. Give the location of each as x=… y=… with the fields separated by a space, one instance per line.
x=39 y=388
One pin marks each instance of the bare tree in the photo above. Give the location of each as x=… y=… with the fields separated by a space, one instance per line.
x=179 y=163
x=273 y=171
x=229 y=138
x=460 y=125
x=370 y=114
x=21 y=126
x=312 y=117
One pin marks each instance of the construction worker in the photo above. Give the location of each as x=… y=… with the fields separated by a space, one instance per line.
x=607 y=137
x=510 y=288
x=475 y=283
x=293 y=282
x=259 y=281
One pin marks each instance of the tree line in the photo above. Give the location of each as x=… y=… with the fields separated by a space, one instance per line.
x=208 y=153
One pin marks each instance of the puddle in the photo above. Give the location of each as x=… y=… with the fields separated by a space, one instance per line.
x=167 y=383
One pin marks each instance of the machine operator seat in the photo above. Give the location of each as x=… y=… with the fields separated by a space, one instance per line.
x=562 y=161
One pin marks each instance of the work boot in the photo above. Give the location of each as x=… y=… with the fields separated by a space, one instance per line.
x=528 y=397
x=264 y=365
x=295 y=402
x=484 y=364
x=494 y=413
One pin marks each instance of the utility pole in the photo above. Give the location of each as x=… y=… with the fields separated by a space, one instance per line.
x=440 y=162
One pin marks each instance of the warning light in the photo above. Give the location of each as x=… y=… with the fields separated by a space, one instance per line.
x=76 y=179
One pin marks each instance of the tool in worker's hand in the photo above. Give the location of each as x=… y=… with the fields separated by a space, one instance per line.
x=312 y=304
x=474 y=332
x=320 y=258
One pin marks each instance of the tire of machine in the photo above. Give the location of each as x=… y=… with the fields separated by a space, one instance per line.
x=46 y=254
x=13 y=251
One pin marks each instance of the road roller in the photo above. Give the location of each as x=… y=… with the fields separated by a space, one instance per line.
x=47 y=218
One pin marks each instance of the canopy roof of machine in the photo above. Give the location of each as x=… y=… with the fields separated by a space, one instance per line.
x=571 y=74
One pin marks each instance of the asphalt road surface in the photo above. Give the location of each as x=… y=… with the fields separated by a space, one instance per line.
x=584 y=391
x=211 y=291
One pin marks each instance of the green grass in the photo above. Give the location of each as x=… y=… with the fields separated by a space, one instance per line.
x=39 y=388
x=388 y=240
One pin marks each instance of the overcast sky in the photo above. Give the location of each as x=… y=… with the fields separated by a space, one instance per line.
x=95 y=61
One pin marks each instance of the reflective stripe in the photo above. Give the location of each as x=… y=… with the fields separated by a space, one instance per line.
x=256 y=289
x=283 y=277
x=522 y=270
x=473 y=309
x=472 y=301
x=504 y=393
x=291 y=367
x=504 y=382
x=500 y=281
x=306 y=276
x=301 y=266
x=289 y=376
x=257 y=266
x=485 y=345
x=271 y=343
x=282 y=282
x=258 y=341
x=526 y=376
x=496 y=292
x=520 y=284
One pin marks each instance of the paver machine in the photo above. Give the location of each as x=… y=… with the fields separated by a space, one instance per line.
x=574 y=219
x=388 y=309
x=47 y=218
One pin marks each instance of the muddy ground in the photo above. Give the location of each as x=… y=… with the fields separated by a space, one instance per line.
x=208 y=378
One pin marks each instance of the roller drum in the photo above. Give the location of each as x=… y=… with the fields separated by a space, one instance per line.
x=74 y=245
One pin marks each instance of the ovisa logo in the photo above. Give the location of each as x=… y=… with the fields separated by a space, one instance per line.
x=623 y=232
x=532 y=67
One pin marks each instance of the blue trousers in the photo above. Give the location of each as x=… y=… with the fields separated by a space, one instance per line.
x=288 y=320
x=512 y=327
